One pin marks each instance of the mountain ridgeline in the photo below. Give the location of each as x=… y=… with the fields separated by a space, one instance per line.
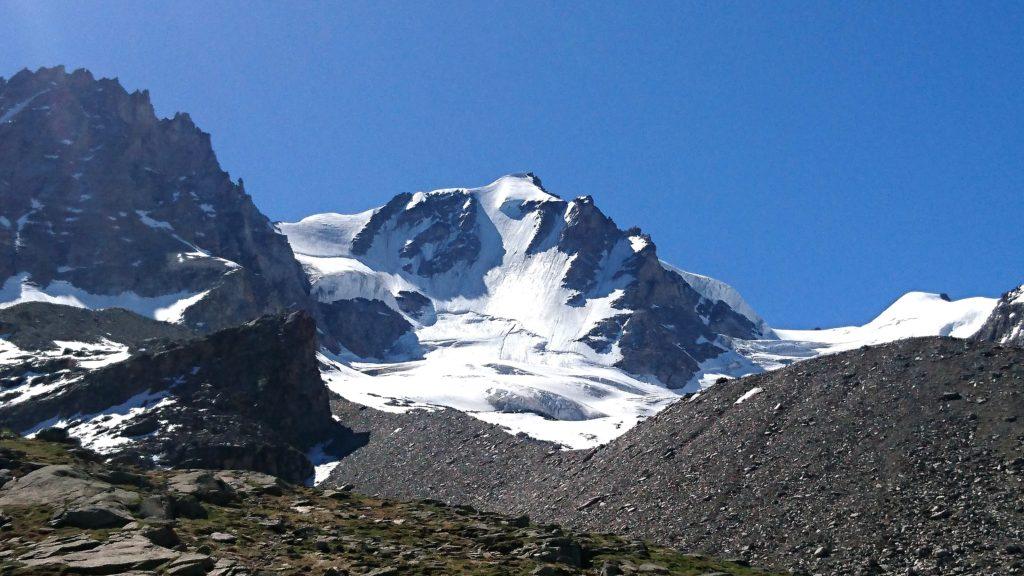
x=102 y=204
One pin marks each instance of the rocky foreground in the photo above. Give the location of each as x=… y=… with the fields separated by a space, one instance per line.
x=65 y=512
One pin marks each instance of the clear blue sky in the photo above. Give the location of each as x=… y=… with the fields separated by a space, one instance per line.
x=823 y=157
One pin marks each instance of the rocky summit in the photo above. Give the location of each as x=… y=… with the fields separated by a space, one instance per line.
x=102 y=204
x=66 y=513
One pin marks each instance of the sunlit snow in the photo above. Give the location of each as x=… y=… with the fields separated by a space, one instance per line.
x=167 y=307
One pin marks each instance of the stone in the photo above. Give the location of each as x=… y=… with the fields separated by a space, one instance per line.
x=117 y=555
x=161 y=535
x=187 y=506
x=92 y=517
x=190 y=565
x=61 y=485
x=204 y=485
x=156 y=506
x=223 y=537
x=550 y=570
x=59 y=546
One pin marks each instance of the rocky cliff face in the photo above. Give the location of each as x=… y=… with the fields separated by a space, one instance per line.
x=1006 y=324
x=103 y=204
x=248 y=397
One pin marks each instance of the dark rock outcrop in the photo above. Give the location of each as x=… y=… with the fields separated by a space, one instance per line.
x=103 y=201
x=248 y=397
x=1006 y=324
x=36 y=325
x=369 y=328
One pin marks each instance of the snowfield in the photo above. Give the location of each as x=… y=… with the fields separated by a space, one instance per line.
x=166 y=308
x=914 y=314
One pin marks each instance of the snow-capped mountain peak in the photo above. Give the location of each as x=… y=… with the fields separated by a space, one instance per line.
x=522 y=285
x=912 y=315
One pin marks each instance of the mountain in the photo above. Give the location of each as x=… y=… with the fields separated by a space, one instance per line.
x=551 y=319
x=913 y=315
x=1006 y=323
x=104 y=205
x=900 y=458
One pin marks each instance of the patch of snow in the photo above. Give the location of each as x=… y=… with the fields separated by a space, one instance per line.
x=1019 y=297
x=156 y=224
x=9 y=115
x=748 y=395
x=913 y=314
x=167 y=307
x=175 y=313
x=97 y=431
x=323 y=463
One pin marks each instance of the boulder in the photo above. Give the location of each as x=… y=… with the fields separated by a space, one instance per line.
x=116 y=556
x=92 y=517
x=204 y=485
x=60 y=485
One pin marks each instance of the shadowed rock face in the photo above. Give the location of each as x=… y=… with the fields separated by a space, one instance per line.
x=1006 y=324
x=368 y=328
x=37 y=325
x=98 y=195
x=248 y=397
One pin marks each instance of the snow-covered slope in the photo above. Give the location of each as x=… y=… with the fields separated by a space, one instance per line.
x=526 y=309
x=914 y=314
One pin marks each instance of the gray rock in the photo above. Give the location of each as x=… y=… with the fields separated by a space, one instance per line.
x=204 y=485
x=160 y=534
x=156 y=506
x=187 y=506
x=59 y=546
x=223 y=538
x=60 y=485
x=92 y=517
x=190 y=565
x=115 y=556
